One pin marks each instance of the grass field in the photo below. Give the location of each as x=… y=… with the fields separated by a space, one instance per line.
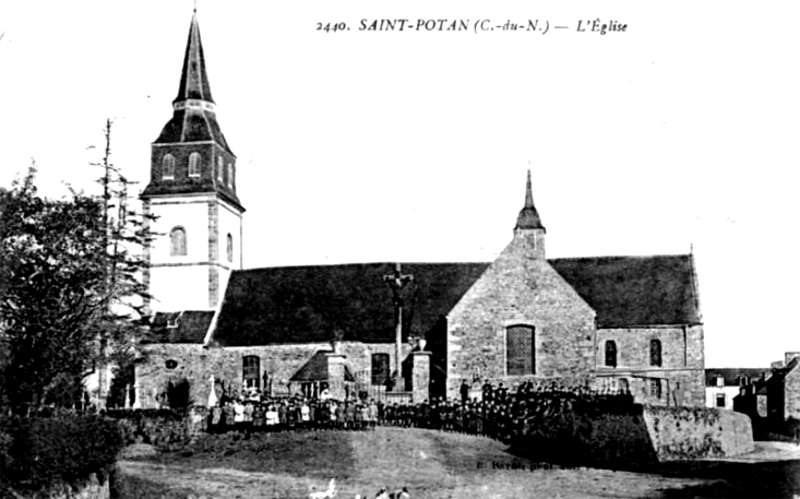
x=432 y=464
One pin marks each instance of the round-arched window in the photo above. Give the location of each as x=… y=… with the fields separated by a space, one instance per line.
x=177 y=242
x=194 y=164
x=168 y=167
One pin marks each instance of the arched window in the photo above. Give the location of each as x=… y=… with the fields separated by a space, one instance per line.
x=380 y=368
x=611 y=354
x=520 y=350
x=177 y=242
x=194 y=164
x=230 y=248
x=230 y=174
x=251 y=371
x=220 y=168
x=624 y=385
x=168 y=167
x=655 y=353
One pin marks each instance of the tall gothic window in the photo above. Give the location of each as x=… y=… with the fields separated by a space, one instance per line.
x=655 y=353
x=177 y=242
x=611 y=354
x=251 y=371
x=520 y=350
x=380 y=368
x=230 y=248
x=194 y=164
x=168 y=167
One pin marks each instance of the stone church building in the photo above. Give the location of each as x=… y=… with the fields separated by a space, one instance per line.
x=607 y=322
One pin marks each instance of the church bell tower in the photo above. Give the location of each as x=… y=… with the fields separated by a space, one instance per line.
x=197 y=227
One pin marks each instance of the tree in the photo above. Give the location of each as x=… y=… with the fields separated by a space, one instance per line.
x=70 y=286
x=51 y=291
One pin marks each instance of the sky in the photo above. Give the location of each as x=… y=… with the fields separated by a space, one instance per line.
x=676 y=135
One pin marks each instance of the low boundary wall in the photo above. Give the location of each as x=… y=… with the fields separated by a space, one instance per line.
x=635 y=435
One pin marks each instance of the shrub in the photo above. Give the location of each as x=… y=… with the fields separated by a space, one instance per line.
x=164 y=428
x=40 y=453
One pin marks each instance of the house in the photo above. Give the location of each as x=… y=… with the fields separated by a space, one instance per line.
x=723 y=384
x=783 y=390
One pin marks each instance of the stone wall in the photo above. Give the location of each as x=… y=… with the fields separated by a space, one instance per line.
x=635 y=434
x=682 y=370
x=690 y=433
x=519 y=289
x=196 y=364
x=791 y=397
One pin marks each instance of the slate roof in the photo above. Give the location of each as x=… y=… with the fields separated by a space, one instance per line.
x=189 y=326
x=732 y=375
x=194 y=77
x=316 y=369
x=192 y=124
x=283 y=305
x=628 y=291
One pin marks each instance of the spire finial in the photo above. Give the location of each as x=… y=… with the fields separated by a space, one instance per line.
x=195 y=7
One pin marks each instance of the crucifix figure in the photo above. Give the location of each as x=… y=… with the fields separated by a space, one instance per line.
x=397 y=282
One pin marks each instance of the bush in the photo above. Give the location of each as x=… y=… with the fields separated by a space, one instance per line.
x=163 y=428
x=40 y=453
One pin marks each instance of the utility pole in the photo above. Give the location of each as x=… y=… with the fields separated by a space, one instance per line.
x=397 y=281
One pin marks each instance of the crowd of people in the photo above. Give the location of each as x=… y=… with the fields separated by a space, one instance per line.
x=502 y=414
x=249 y=413
x=498 y=413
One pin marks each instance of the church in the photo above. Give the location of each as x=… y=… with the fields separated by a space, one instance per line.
x=394 y=331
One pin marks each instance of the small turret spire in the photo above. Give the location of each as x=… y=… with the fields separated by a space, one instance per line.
x=528 y=192
x=528 y=217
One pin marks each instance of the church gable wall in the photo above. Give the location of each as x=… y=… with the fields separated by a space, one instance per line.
x=196 y=364
x=519 y=290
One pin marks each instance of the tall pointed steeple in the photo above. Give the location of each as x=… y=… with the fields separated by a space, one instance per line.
x=192 y=195
x=528 y=217
x=194 y=78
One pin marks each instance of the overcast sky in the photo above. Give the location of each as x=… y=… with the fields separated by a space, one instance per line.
x=363 y=146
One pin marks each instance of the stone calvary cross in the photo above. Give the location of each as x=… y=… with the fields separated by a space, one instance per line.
x=397 y=282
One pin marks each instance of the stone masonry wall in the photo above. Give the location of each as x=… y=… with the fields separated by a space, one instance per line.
x=791 y=400
x=196 y=364
x=682 y=370
x=689 y=433
x=635 y=434
x=519 y=289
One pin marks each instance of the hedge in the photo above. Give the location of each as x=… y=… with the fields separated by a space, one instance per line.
x=165 y=429
x=39 y=453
